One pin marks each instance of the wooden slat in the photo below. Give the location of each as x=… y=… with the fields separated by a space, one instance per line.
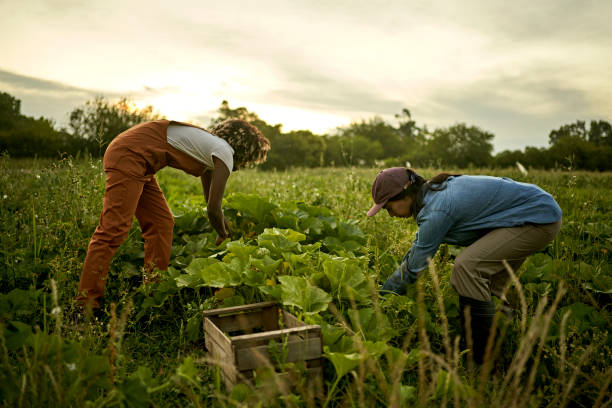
x=217 y=351
x=258 y=339
x=269 y=318
x=291 y=321
x=216 y=336
x=236 y=309
x=240 y=321
x=300 y=350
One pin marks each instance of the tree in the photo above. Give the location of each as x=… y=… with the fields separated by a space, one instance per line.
x=578 y=146
x=600 y=133
x=296 y=148
x=99 y=121
x=508 y=158
x=24 y=136
x=461 y=146
x=10 y=108
x=576 y=130
x=386 y=140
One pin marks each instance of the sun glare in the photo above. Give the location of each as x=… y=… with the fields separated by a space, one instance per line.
x=187 y=107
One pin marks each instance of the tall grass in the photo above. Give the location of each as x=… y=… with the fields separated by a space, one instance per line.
x=49 y=210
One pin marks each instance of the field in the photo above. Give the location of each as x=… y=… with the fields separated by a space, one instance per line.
x=301 y=238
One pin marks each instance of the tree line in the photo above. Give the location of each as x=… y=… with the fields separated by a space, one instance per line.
x=371 y=142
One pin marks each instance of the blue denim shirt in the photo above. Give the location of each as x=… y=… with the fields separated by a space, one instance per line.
x=466 y=209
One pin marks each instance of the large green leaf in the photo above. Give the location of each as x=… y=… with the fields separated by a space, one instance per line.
x=536 y=268
x=188 y=372
x=343 y=362
x=239 y=249
x=372 y=326
x=226 y=274
x=296 y=291
x=198 y=265
x=189 y=281
x=349 y=231
x=16 y=334
x=194 y=277
x=251 y=205
x=18 y=302
x=582 y=317
x=133 y=393
x=214 y=273
x=281 y=240
x=266 y=264
x=376 y=349
x=347 y=279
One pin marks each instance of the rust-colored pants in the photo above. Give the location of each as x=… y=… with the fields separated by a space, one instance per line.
x=126 y=197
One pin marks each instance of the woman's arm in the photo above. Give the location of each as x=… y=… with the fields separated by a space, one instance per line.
x=206 y=178
x=428 y=238
x=213 y=184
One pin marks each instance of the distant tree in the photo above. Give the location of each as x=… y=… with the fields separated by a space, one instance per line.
x=224 y=112
x=300 y=148
x=359 y=150
x=99 y=120
x=412 y=136
x=538 y=158
x=575 y=130
x=580 y=147
x=10 y=108
x=600 y=133
x=508 y=158
x=24 y=136
x=386 y=140
x=461 y=145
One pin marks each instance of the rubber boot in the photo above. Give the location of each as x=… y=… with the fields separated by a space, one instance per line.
x=481 y=316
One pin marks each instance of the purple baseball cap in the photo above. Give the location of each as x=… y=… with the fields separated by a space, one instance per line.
x=388 y=184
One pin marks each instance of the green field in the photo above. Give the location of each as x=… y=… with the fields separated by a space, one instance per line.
x=301 y=237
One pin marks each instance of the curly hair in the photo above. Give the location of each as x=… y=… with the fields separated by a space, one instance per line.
x=250 y=146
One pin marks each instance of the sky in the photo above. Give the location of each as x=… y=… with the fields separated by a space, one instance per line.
x=516 y=69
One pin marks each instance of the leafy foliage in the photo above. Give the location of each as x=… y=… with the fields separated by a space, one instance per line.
x=313 y=250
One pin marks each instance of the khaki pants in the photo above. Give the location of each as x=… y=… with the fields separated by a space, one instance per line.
x=479 y=272
x=126 y=197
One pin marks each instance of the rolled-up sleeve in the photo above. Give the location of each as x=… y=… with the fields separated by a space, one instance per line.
x=427 y=240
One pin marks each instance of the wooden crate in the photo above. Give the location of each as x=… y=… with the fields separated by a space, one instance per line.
x=245 y=339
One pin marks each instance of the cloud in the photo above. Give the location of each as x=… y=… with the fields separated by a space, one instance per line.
x=515 y=68
x=55 y=100
x=312 y=90
x=40 y=97
x=519 y=110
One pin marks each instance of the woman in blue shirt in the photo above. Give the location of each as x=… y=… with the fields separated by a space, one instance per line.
x=497 y=219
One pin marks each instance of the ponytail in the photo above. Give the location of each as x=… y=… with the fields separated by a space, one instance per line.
x=419 y=186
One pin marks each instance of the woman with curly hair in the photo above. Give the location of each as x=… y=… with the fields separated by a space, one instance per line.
x=130 y=164
x=499 y=221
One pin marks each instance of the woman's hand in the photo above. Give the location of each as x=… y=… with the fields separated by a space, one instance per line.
x=228 y=230
x=228 y=233
x=396 y=283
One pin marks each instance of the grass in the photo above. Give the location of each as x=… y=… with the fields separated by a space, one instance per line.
x=545 y=356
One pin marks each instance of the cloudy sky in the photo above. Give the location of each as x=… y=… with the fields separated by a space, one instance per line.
x=517 y=69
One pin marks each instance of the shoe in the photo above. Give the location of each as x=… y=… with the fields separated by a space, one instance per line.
x=481 y=316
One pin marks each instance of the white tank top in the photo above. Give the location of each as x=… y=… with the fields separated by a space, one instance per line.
x=200 y=145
